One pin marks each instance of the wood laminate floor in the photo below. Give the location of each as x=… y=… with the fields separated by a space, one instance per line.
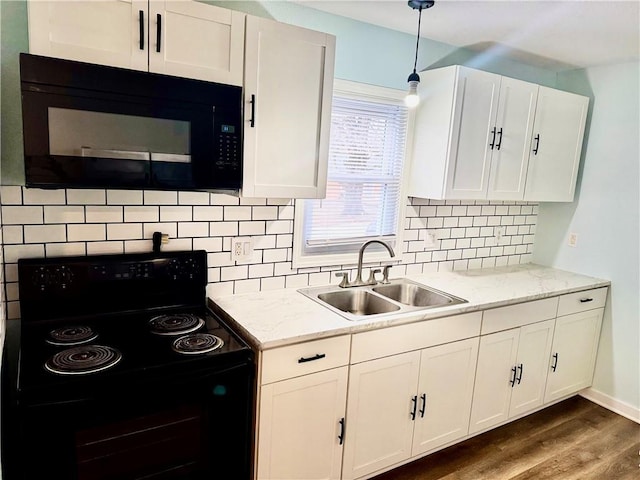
x=574 y=439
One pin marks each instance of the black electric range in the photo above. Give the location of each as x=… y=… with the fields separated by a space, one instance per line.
x=118 y=346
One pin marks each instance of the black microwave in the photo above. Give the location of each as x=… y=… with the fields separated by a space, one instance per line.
x=92 y=126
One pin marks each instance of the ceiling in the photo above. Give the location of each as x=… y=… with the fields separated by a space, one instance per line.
x=544 y=33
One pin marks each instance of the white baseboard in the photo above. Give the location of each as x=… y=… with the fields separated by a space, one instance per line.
x=610 y=403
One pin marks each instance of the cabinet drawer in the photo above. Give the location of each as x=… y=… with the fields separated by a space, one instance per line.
x=304 y=358
x=414 y=336
x=582 y=301
x=512 y=316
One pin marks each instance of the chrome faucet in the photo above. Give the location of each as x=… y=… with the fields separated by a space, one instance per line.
x=358 y=282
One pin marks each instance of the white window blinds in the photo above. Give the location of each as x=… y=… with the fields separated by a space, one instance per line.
x=364 y=177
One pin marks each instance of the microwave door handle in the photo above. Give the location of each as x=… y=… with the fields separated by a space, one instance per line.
x=115 y=154
x=170 y=157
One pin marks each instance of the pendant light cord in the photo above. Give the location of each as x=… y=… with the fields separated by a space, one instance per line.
x=415 y=63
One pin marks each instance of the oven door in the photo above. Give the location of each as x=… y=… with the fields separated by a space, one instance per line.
x=194 y=427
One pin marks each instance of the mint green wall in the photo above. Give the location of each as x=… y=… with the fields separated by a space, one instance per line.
x=13 y=40
x=365 y=53
x=606 y=217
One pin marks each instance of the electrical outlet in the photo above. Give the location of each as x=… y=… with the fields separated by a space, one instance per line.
x=573 y=239
x=241 y=248
x=431 y=240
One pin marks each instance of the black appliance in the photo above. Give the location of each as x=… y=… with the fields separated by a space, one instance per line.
x=118 y=370
x=89 y=125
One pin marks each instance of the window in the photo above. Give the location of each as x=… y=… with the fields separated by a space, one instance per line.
x=365 y=184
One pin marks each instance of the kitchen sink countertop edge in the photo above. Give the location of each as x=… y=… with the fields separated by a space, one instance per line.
x=276 y=318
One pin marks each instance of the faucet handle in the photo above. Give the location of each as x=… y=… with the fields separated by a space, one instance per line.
x=345 y=279
x=385 y=274
x=372 y=276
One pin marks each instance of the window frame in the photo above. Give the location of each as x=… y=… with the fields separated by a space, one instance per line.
x=374 y=93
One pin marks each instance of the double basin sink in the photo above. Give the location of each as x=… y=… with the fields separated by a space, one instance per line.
x=399 y=296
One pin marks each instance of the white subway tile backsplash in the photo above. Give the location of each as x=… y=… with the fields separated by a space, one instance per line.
x=11 y=195
x=237 y=213
x=193 y=198
x=44 y=233
x=210 y=244
x=100 y=248
x=193 y=229
x=176 y=214
x=65 y=249
x=21 y=215
x=223 y=229
x=124 y=231
x=210 y=213
x=177 y=244
x=103 y=214
x=168 y=228
x=37 y=196
x=77 y=222
x=86 y=232
x=124 y=197
x=252 y=228
x=64 y=214
x=141 y=214
x=234 y=273
x=247 y=286
x=223 y=199
x=154 y=197
x=86 y=197
x=12 y=253
x=219 y=289
x=272 y=283
x=12 y=234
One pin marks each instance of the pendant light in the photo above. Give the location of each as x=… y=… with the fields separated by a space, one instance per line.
x=412 y=99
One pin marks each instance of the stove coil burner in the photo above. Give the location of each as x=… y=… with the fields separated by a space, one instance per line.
x=69 y=336
x=83 y=360
x=176 y=324
x=196 y=343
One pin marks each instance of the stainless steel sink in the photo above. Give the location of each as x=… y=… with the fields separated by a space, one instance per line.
x=358 y=302
x=399 y=296
x=414 y=295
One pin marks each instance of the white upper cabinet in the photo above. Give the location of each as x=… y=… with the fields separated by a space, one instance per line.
x=557 y=145
x=195 y=40
x=111 y=32
x=287 y=110
x=181 y=38
x=474 y=138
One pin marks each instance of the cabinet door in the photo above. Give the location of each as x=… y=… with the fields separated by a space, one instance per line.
x=195 y=40
x=445 y=389
x=575 y=345
x=287 y=110
x=510 y=153
x=109 y=32
x=299 y=427
x=476 y=105
x=557 y=142
x=379 y=424
x=532 y=364
x=492 y=391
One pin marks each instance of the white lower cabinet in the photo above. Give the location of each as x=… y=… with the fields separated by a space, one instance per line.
x=352 y=406
x=511 y=374
x=405 y=405
x=301 y=427
x=575 y=346
x=379 y=424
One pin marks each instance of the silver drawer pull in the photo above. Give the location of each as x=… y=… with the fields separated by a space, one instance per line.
x=586 y=300
x=317 y=356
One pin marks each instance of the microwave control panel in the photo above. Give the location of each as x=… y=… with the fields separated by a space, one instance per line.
x=228 y=148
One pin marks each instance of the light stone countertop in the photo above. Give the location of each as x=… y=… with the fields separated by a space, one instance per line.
x=281 y=317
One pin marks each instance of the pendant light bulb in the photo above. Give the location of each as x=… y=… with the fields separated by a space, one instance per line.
x=412 y=99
